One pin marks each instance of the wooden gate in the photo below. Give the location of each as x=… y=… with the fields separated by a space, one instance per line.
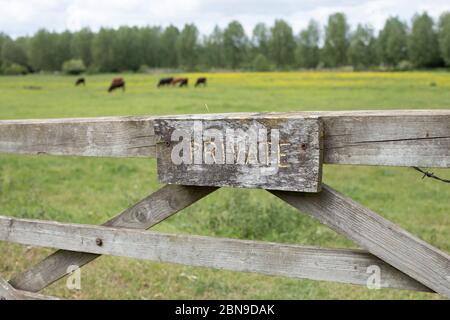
x=197 y=154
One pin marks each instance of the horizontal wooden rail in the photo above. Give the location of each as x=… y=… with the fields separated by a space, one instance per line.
x=96 y=137
x=395 y=138
x=148 y=212
x=341 y=265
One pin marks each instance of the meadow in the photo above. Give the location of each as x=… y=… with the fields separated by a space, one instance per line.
x=91 y=190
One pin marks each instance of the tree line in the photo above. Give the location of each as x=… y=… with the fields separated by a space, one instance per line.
x=422 y=43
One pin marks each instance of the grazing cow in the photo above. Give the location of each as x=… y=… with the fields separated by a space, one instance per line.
x=183 y=82
x=80 y=81
x=165 y=82
x=200 y=81
x=116 y=84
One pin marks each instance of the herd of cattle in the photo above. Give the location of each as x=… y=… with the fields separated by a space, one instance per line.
x=181 y=82
x=171 y=81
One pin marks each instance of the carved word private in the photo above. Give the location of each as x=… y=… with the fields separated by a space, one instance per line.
x=228 y=146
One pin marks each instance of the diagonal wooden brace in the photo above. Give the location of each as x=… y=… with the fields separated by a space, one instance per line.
x=7 y=292
x=148 y=212
x=382 y=238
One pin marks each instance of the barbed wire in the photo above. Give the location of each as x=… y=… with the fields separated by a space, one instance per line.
x=427 y=174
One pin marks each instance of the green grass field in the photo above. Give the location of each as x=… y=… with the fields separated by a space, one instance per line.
x=91 y=190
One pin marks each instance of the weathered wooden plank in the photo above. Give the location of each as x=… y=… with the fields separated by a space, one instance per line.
x=269 y=152
x=388 y=138
x=7 y=292
x=382 y=238
x=106 y=137
x=395 y=138
x=341 y=265
x=145 y=214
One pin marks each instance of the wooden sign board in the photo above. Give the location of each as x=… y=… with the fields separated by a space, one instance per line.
x=257 y=151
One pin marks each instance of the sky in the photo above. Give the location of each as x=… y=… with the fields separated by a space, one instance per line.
x=25 y=17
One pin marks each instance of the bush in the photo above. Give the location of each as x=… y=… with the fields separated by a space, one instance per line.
x=404 y=65
x=14 y=69
x=260 y=63
x=73 y=67
x=144 y=69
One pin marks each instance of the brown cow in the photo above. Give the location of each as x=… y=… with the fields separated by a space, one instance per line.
x=183 y=82
x=116 y=84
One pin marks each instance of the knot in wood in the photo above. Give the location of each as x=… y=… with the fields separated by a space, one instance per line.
x=99 y=242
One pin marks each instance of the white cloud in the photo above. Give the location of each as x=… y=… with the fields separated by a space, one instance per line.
x=21 y=17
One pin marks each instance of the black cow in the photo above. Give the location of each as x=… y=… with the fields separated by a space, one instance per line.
x=80 y=81
x=165 y=82
x=200 y=81
x=116 y=84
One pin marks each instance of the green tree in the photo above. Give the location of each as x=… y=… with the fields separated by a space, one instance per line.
x=260 y=63
x=392 y=42
x=152 y=53
x=169 y=56
x=103 y=51
x=127 y=54
x=260 y=39
x=3 y=39
x=282 y=44
x=187 y=47
x=43 y=51
x=423 y=46
x=13 y=52
x=24 y=44
x=63 y=50
x=307 y=52
x=361 y=51
x=81 y=45
x=213 y=49
x=444 y=37
x=235 y=45
x=336 y=41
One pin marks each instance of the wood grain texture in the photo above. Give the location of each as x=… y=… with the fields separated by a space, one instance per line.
x=145 y=214
x=394 y=138
x=346 y=266
x=406 y=139
x=7 y=292
x=106 y=137
x=382 y=238
x=269 y=152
